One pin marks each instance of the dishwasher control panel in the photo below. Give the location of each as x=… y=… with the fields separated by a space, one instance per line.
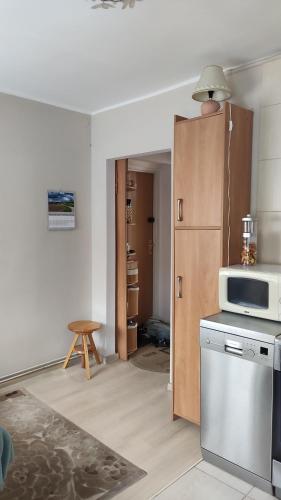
x=240 y=347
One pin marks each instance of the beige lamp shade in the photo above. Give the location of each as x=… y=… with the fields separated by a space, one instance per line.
x=212 y=80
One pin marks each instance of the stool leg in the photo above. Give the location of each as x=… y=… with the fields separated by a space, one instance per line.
x=94 y=349
x=65 y=364
x=82 y=360
x=87 y=364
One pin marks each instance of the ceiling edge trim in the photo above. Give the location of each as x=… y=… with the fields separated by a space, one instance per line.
x=233 y=69
x=44 y=101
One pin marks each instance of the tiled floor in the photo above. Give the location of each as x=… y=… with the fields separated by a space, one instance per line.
x=206 y=482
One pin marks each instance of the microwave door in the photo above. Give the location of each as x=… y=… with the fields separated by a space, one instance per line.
x=248 y=292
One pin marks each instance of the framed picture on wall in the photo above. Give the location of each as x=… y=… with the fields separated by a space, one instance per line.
x=61 y=210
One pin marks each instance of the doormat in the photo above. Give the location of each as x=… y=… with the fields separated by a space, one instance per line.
x=55 y=459
x=151 y=358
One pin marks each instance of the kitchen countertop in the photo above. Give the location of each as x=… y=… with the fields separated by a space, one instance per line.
x=238 y=324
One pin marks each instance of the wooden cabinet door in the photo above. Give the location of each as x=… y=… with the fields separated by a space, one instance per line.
x=197 y=263
x=198 y=171
x=121 y=169
x=144 y=243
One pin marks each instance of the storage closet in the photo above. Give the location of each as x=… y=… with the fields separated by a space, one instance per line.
x=132 y=264
x=212 y=177
x=143 y=261
x=139 y=218
x=138 y=234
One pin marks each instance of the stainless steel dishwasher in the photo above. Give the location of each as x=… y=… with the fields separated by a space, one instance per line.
x=237 y=396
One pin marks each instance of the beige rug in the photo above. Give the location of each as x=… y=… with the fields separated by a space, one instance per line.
x=151 y=358
x=55 y=459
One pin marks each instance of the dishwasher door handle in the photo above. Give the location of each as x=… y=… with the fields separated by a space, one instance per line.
x=233 y=350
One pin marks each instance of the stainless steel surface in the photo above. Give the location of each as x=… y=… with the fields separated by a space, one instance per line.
x=277 y=492
x=180 y=211
x=243 y=347
x=179 y=287
x=233 y=350
x=276 y=473
x=243 y=474
x=240 y=325
x=237 y=399
x=277 y=354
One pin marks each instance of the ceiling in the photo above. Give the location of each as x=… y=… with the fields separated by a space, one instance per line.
x=150 y=162
x=65 y=53
x=158 y=158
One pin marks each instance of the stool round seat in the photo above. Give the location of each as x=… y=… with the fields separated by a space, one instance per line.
x=84 y=327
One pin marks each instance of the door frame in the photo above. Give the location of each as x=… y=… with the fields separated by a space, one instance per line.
x=114 y=265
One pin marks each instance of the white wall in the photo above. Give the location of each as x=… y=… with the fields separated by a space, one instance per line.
x=147 y=126
x=45 y=275
x=162 y=243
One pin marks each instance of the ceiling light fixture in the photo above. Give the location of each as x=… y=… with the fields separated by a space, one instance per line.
x=107 y=4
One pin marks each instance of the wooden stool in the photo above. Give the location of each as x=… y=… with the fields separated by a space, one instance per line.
x=83 y=329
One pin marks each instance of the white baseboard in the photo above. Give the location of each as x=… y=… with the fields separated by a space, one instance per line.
x=34 y=369
x=110 y=359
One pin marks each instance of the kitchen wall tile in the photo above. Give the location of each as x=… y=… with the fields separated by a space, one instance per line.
x=269 y=186
x=271 y=77
x=270 y=126
x=269 y=237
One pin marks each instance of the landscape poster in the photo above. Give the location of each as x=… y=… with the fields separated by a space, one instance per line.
x=61 y=210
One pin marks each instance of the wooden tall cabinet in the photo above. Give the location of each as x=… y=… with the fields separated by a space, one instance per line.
x=212 y=178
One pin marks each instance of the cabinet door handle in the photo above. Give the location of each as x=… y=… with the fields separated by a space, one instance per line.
x=180 y=211
x=179 y=287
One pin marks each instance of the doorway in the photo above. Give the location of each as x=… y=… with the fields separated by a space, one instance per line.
x=143 y=260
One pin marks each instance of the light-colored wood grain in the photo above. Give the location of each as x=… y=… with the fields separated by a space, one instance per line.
x=94 y=349
x=178 y=118
x=212 y=177
x=86 y=357
x=132 y=340
x=240 y=178
x=144 y=243
x=199 y=170
x=127 y=409
x=197 y=262
x=121 y=260
x=67 y=359
x=84 y=326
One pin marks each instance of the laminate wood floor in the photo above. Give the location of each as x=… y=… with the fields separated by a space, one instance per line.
x=129 y=410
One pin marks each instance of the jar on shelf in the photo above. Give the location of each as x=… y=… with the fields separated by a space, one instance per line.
x=249 y=241
x=129 y=211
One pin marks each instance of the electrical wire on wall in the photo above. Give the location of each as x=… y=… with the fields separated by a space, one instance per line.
x=230 y=127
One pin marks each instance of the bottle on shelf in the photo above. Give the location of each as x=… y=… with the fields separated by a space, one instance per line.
x=249 y=241
x=129 y=211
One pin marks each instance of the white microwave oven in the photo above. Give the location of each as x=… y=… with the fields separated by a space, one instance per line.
x=254 y=291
